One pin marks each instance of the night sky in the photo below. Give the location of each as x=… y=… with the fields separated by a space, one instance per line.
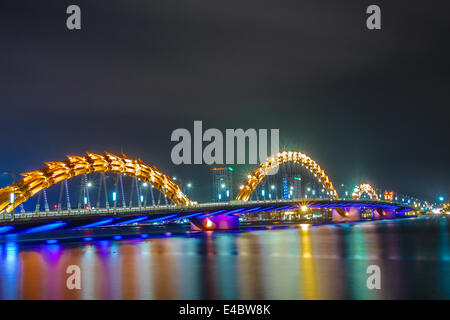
x=366 y=105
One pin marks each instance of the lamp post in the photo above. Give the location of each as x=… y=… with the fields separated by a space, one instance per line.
x=12 y=195
x=273 y=187
x=188 y=188
x=12 y=199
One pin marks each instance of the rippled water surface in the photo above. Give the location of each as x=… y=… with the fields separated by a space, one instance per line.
x=323 y=262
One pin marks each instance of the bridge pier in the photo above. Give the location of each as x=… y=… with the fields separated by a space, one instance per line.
x=349 y=214
x=378 y=214
x=216 y=222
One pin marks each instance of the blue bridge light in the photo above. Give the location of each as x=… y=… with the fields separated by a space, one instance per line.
x=46 y=227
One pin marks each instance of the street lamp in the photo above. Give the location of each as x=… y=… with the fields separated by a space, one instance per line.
x=12 y=198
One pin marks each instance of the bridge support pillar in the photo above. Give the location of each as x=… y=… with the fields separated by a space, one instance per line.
x=378 y=214
x=345 y=214
x=217 y=222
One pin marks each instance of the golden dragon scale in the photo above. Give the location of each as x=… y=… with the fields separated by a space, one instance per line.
x=278 y=159
x=56 y=171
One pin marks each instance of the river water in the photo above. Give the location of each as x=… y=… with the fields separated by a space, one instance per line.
x=319 y=262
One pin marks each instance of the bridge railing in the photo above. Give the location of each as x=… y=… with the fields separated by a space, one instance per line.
x=136 y=210
x=26 y=215
x=120 y=210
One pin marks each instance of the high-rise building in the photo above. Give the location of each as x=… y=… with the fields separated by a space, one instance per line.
x=222 y=184
x=292 y=187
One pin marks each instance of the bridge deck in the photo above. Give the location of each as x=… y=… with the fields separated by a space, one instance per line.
x=206 y=208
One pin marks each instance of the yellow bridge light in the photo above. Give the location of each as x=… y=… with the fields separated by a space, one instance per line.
x=364 y=188
x=304 y=226
x=278 y=159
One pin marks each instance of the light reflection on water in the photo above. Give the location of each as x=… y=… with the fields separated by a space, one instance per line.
x=323 y=262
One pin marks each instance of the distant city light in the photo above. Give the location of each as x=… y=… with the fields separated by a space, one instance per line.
x=304 y=208
x=89 y=184
x=441 y=198
x=145 y=184
x=209 y=223
x=304 y=226
x=114 y=196
x=189 y=185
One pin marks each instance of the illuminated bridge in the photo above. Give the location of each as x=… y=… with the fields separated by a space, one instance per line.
x=208 y=216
